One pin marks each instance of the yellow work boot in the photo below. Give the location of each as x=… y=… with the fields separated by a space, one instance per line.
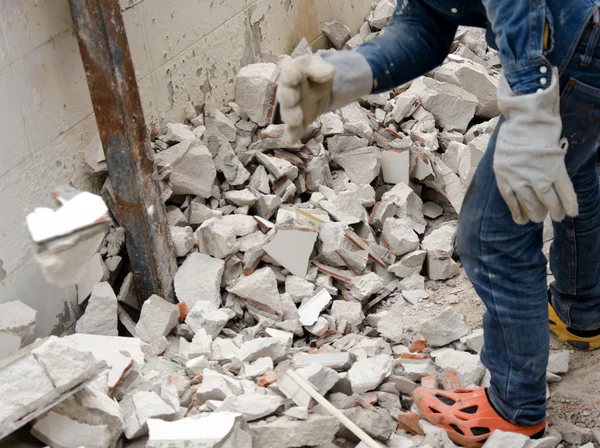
x=581 y=340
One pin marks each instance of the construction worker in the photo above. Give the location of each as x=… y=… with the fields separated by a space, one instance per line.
x=541 y=159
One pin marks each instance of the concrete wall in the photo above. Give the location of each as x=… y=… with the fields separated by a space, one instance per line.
x=182 y=49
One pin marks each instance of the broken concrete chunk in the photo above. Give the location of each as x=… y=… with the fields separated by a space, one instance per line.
x=193 y=173
x=65 y=366
x=362 y=164
x=241 y=197
x=356 y=121
x=559 y=362
x=199 y=278
x=322 y=378
x=241 y=225
x=444 y=328
x=183 y=240
x=60 y=431
x=205 y=315
x=267 y=205
x=346 y=207
x=100 y=316
x=441 y=268
x=178 y=132
x=406 y=104
x=141 y=406
x=409 y=264
x=390 y=326
x=277 y=167
x=260 y=288
x=475 y=79
x=400 y=236
x=475 y=340
x=351 y=312
x=377 y=423
x=452 y=106
x=366 y=375
x=198 y=213
x=228 y=163
x=158 y=318
x=298 y=288
x=216 y=238
x=291 y=248
x=17 y=320
x=409 y=205
x=310 y=311
x=255 y=91
x=455 y=152
x=252 y=406
x=337 y=33
x=382 y=13
x=440 y=242
x=469 y=367
x=336 y=361
x=364 y=286
x=258 y=367
x=223 y=124
x=273 y=348
x=331 y=124
x=285 y=433
x=95 y=272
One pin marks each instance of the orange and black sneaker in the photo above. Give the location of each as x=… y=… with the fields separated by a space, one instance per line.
x=578 y=339
x=467 y=415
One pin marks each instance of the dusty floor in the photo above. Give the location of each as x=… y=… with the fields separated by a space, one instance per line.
x=575 y=399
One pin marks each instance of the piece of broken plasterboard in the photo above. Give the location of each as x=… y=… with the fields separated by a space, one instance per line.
x=396 y=166
x=67 y=238
x=310 y=311
x=291 y=248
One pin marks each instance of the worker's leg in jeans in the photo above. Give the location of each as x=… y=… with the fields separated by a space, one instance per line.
x=505 y=263
x=575 y=252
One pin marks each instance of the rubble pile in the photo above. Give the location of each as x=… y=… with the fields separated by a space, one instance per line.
x=305 y=257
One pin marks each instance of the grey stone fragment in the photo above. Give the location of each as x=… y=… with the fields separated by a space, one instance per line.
x=558 y=363
x=193 y=173
x=364 y=286
x=500 y=439
x=444 y=328
x=216 y=238
x=241 y=225
x=267 y=205
x=141 y=406
x=440 y=242
x=255 y=90
x=405 y=105
x=400 y=236
x=403 y=384
x=377 y=423
x=469 y=367
x=158 y=317
x=65 y=366
x=199 y=278
x=356 y=121
x=337 y=33
x=25 y=388
x=331 y=124
x=260 y=180
x=286 y=433
x=298 y=288
x=409 y=264
x=572 y=434
x=273 y=348
x=183 y=240
x=351 y=312
x=100 y=316
x=59 y=431
x=198 y=213
x=204 y=315
x=228 y=163
x=252 y=406
x=303 y=48
x=260 y=287
x=382 y=13
x=366 y=375
x=452 y=106
x=441 y=269
x=322 y=378
x=475 y=340
x=277 y=167
x=390 y=326
x=362 y=165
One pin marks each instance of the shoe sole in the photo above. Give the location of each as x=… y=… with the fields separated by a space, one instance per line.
x=559 y=328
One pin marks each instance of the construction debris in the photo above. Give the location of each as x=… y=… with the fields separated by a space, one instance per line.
x=322 y=256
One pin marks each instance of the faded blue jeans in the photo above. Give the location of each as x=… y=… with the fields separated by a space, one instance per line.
x=505 y=263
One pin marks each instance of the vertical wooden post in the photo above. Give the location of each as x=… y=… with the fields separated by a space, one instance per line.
x=118 y=109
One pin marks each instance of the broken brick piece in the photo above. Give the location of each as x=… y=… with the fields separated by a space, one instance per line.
x=183 y=311
x=370 y=398
x=418 y=346
x=450 y=380
x=267 y=379
x=429 y=382
x=409 y=422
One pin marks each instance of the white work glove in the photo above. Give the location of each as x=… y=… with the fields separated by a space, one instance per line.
x=529 y=161
x=311 y=85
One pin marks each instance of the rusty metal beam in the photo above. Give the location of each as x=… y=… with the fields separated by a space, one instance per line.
x=118 y=109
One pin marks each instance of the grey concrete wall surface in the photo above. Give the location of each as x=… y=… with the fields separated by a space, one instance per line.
x=182 y=49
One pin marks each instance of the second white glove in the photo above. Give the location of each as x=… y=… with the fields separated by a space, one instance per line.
x=529 y=160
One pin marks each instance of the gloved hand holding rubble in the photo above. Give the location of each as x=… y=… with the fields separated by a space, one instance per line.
x=314 y=84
